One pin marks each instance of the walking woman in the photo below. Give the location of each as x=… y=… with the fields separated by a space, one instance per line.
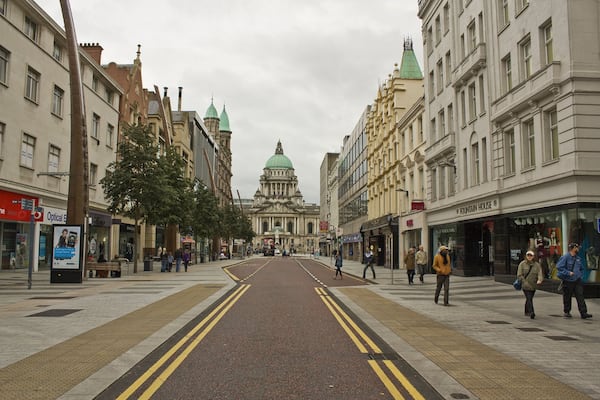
x=441 y=265
x=338 y=264
x=530 y=275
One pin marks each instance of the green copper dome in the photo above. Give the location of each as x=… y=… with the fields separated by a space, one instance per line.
x=224 y=121
x=279 y=160
x=211 y=112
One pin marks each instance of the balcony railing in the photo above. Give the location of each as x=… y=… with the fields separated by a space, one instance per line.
x=470 y=66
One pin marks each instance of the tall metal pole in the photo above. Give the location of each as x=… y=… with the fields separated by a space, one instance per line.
x=78 y=200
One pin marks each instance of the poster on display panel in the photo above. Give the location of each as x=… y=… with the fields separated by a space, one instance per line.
x=66 y=252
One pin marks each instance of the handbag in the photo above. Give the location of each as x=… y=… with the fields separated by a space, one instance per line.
x=517 y=284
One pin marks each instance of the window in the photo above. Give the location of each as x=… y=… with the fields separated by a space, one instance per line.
x=475 y=164
x=429 y=40
x=110 y=95
x=446 y=17
x=450 y=113
x=503 y=13
x=420 y=129
x=465 y=168
x=484 y=163
x=290 y=227
x=433 y=130
x=440 y=76
x=265 y=226
x=438 y=29
x=310 y=228
x=442 y=182
x=472 y=102
x=95 y=126
x=471 y=36
x=528 y=136
x=509 y=152
x=507 y=71
x=462 y=47
x=57 y=51
x=31 y=29
x=481 y=95
x=431 y=86
x=421 y=194
x=4 y=54
x=521 y=5
x=2 y=130
x=463 y=108
x=27 y=150
x=525 y=50
x=460 y=6
x=95 y=83
x=53 y=158
x=110 y=135
x=93 y=175
x=550 y=135
x=2 y=7
x=451 y=180
x=57 y=101
x=442 y=123
x=448 y=68
x=32 y=85
x=434 y=184
x=481 y=30
x=548 y=51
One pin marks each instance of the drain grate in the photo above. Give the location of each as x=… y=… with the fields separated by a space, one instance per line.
x=383 y=356
x=531 y=329
x=498 y=322
x=459 y=396
x=52 y=298
x=561 y=338
x=58 y=312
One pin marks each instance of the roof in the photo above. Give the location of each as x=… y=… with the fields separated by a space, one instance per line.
x=224 y=121
x=279 y=160
x=409 y=67
x=211 y=112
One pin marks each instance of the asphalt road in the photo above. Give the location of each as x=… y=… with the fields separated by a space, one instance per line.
x=279 y=334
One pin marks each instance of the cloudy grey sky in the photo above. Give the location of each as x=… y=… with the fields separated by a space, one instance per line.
x=297 y=71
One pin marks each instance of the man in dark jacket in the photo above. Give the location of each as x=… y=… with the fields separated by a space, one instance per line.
x=570 y=270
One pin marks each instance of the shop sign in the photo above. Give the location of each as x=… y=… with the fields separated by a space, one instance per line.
x=55 y=216
x=409 y=223
x=11 y=207
x=478 y=207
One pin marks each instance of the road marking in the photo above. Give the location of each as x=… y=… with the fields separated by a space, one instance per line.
x=235 y=278
x=221 y=309
x=346 y=322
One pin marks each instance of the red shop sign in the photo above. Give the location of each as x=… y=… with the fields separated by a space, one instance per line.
x=10 y=207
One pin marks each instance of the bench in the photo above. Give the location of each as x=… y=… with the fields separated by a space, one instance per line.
x=115 y=267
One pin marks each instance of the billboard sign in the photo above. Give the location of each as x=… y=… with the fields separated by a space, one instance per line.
x=66 y=252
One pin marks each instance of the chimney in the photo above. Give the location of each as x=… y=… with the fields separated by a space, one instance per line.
x=179 y=100
x=94 y=50
x=166 y=88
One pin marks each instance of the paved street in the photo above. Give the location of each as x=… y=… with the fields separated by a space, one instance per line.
x=480 y=347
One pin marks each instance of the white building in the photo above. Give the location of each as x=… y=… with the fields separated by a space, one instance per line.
x=35 y=133
x=512 y=103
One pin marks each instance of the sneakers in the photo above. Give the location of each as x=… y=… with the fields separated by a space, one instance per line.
x=568 y=315
x=586 y=316
x=532 y=316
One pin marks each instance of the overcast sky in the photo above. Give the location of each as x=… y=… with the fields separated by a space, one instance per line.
x=299 y=71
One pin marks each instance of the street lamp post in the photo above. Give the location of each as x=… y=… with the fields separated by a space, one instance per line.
x=399 y=236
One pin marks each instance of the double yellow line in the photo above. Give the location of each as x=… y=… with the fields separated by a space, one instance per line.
x=212 y=319
x=362 y=341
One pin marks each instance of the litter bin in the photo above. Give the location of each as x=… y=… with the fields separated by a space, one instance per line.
x=147 y=265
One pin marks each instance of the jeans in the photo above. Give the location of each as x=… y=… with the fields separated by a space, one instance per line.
x=445 y=281
x=576 y=289
x=411 y=275
x=529 y=301
x=365 y=270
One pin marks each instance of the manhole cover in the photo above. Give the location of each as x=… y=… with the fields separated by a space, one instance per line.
x=459 y=396
x=55 y=313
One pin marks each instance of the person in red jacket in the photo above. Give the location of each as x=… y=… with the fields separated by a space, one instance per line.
x=441 y=265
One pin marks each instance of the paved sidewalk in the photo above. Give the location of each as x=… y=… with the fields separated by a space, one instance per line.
x=472 y=349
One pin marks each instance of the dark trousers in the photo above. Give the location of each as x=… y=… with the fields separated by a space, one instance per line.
x=529 y=301
x=411 y=275
x=338 y=270
x=571 y=289
x=369 y=265
x=445 y=281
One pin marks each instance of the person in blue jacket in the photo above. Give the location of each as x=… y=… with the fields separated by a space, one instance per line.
x=570 y=271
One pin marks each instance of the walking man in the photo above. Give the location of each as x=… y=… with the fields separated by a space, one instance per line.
x=570 y=270
x=369 y=260
x=421 y=260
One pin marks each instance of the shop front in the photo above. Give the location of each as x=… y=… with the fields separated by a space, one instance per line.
x=380 y=235
x=413 y=233
x=99 y=237
x=352 y=246
x=16 y=235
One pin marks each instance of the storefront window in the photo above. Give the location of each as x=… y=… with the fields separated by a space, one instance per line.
x=584 y=226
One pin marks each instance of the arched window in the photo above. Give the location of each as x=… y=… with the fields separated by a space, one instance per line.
x=290 y=227
x=310 y=227
x=265 y=227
